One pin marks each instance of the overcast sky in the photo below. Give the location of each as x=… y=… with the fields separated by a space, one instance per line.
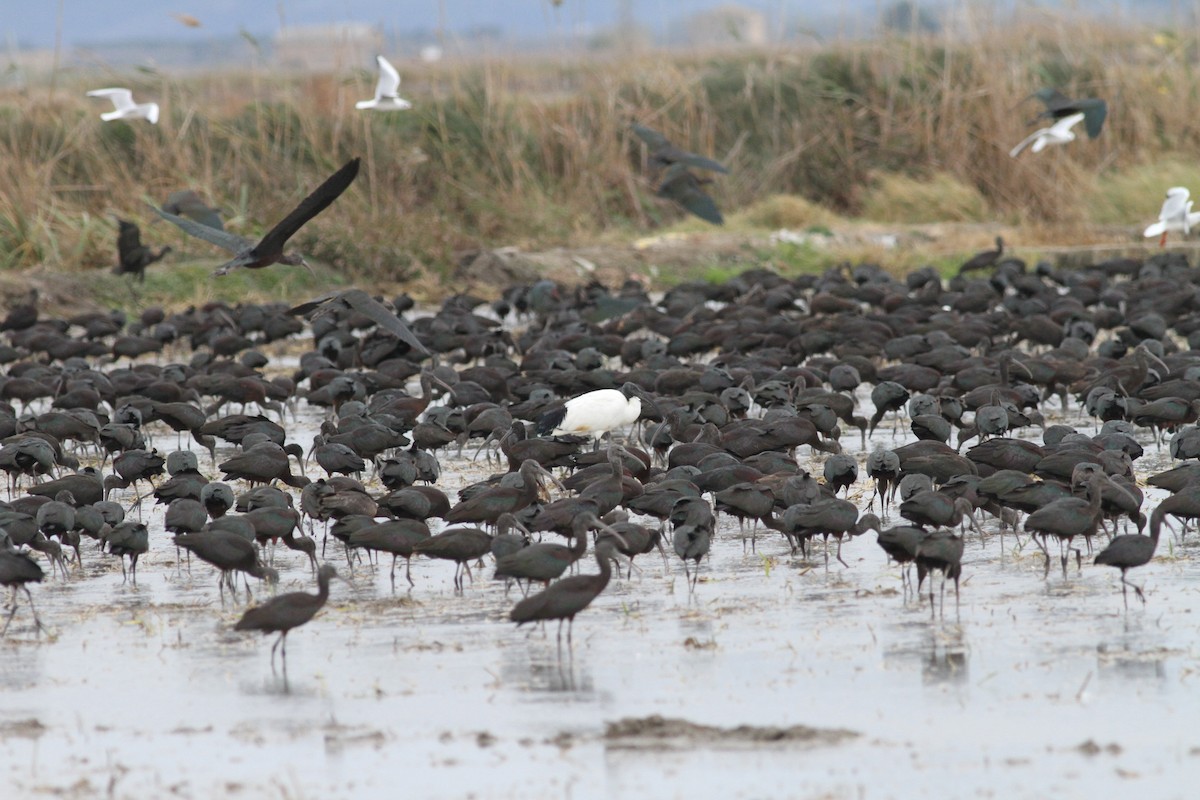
x=98 y=21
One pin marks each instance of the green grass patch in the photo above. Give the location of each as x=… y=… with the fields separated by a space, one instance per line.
x=1134 y=195
x=790 y=258
x=191 y=283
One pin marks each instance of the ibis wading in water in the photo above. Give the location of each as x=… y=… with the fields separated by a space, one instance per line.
x=597 y=413
x=282 y=613
x=1132 y=550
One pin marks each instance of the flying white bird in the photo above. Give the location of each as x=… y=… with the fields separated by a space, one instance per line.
x=1058 y=133
x=1176 y=215
x=385 y=98
x=124 y=107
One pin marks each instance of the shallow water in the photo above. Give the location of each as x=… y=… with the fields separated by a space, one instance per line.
x=1033 y=686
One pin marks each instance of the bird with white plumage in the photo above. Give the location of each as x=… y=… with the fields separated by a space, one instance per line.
x=124 y=107
x=386 y=97
x=1058 y=133
x=596 y=413
x=1176 y=215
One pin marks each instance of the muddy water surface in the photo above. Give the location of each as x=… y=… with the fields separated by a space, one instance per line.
x=1034 y=686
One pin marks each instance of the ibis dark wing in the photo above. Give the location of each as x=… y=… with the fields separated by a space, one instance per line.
x=309 y=207
x=684 y=188
x=370 y=308
x=314 y=304
x=221 y=238
x=1052 y=99
x=674 y=155
x=1095 y=111
x=1058 y=105
x=651 y=137
x=187 y=203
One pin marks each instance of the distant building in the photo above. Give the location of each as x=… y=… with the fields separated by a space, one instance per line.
x=726 y=26
x=324 y=48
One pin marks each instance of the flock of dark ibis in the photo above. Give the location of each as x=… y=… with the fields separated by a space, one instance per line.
x=714 y=400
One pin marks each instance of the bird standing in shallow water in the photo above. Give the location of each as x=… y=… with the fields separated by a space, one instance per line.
x=17 y=571
x=269 y=250
x=940 y=551
x=1132 y=550
x=281 y=614
x=564 y=599
x=597 y=413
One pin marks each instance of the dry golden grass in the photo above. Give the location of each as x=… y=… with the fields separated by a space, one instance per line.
x=540 y=155
x=939 y=198
x=783 y=211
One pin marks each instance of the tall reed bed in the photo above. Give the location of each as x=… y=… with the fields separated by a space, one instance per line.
x=540 y=154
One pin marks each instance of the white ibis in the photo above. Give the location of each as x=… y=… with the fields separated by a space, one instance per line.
x=385 y=98
x=124 y=107
x=596 y=413
x=1176 y=215
x=1058 y=133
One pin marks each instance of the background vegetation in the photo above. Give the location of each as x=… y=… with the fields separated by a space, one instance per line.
x=911 y=129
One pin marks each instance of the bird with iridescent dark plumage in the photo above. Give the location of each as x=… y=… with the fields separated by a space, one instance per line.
x=678 y=183
x=132 y=256
x=269 y=250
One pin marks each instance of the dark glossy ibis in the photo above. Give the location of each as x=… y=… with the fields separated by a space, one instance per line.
x=883 y=466
x=841 y=471
x=685 y=189
x=1132 y=550
x=664 y=154
x=487 y=506
x=17 y=571
x=1067 y=518
x=228 y=552
x=459 y=545
x=128 y=539
x=398 y=537
x=546 y=561
x=132 y=256
x=188 y=203
x=940 y=551
x=359 y=301
x=269 y=250
x=281 y=614
x=985 y=259
x=565 y=598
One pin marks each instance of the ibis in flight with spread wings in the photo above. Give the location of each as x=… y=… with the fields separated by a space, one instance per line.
x=270 y=249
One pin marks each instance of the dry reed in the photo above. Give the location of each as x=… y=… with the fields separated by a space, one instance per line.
x=539 y=154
